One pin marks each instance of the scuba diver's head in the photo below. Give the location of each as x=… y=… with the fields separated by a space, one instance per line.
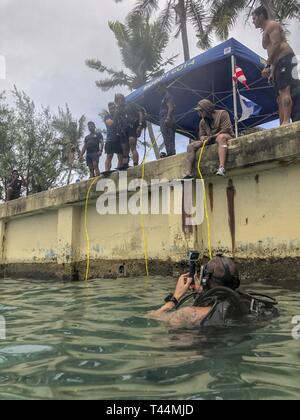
x=220 y=272
x=205 y=108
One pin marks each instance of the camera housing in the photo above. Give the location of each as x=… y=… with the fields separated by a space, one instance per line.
x=193 y=257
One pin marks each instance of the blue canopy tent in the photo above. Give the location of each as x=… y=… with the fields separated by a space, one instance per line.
x=209 y=75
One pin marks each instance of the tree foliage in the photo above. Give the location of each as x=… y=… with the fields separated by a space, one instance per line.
x=37 y=144
x=141 y=44
x=175 y=15
x=224 y=14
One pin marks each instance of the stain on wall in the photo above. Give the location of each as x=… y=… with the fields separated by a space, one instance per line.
x=231 y=212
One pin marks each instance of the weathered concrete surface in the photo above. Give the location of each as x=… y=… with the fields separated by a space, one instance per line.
x=254 y=215
x=265 y=270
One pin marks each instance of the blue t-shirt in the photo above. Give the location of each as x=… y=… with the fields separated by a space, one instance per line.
x=168 y=99
x=111 y=134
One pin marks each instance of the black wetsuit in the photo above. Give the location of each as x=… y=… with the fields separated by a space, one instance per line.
x=231 y=308
x=113 y=144
x=127 y=122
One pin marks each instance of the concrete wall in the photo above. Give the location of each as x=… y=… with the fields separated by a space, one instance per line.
x=254 y=215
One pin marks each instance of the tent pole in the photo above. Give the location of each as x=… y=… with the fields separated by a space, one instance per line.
x=234 y=86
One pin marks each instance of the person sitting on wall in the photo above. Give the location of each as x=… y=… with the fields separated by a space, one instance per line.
x=215 y=127
x=15 y=185
x=113 y=145
x=93 y=147
x=217 y=302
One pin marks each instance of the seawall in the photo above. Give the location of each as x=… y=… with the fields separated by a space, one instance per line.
x=253 y=212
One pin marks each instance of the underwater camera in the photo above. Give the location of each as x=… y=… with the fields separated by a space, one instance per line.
x=193 y=257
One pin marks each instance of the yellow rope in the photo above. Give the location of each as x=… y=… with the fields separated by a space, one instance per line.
x=205 y=196
x=88 y=243
x=142 y=221
x=205 y=203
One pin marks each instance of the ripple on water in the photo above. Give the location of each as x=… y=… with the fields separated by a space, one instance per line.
x=93 y=341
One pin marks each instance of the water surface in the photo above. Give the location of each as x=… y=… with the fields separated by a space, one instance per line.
x=78 y=341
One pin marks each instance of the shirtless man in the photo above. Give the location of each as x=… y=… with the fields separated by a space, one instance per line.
x=281 y=66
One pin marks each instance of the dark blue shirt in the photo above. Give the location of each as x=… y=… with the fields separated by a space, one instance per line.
x=164 y=109
x=92 y=142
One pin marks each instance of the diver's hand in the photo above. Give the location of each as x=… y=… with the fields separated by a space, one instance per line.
x=183 y=286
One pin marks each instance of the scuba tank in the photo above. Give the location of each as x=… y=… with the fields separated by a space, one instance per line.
x=233 y=307
x=229 y=306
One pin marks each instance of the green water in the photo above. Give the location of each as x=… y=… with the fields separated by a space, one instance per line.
x=71 y=341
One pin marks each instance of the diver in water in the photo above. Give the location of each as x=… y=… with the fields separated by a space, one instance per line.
x=216 y=299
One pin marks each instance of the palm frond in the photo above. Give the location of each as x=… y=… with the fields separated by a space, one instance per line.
x=197 y=15
x=146 y=7
x=224 y=15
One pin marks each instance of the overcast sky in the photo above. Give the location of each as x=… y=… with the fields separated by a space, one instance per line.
x=46 y=43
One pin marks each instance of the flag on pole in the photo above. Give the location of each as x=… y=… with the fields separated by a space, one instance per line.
x=239 y=76
x=249 y=108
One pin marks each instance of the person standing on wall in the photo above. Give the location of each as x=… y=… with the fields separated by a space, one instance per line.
x=14 y=186
x=167 y=120
x=93 y=147
x=281 y=66
x=129 y=123
x=113 y=145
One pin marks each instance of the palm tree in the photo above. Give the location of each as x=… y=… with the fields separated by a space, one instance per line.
x=177 y=14
x=70 y=133
x=225 y=13
x=142 y=45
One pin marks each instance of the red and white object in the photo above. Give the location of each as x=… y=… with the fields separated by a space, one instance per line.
x=239 y=76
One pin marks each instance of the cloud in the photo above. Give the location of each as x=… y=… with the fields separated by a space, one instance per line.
x=46 y=43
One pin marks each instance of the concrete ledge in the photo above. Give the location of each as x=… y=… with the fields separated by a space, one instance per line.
x=253 y=213
x=256 y=270
x=280 y=146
